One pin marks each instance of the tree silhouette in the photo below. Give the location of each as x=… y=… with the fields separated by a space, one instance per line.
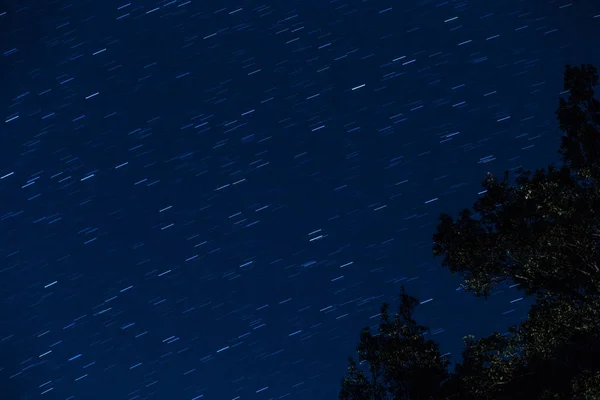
x=542 y=233
x=401 y=363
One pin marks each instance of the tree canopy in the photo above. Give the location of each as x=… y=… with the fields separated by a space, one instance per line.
x=541 y=232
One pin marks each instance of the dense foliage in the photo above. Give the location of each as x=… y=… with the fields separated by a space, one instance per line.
x=541 y=232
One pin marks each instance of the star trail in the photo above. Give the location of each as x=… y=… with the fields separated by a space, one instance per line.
x=209 y=200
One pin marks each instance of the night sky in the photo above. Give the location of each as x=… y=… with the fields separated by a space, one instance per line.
x=209 y=200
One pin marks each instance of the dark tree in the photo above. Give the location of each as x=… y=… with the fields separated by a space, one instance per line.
x=401 y=363
x=541 y=232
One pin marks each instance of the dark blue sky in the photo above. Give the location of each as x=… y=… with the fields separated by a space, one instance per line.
x=211 y=199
